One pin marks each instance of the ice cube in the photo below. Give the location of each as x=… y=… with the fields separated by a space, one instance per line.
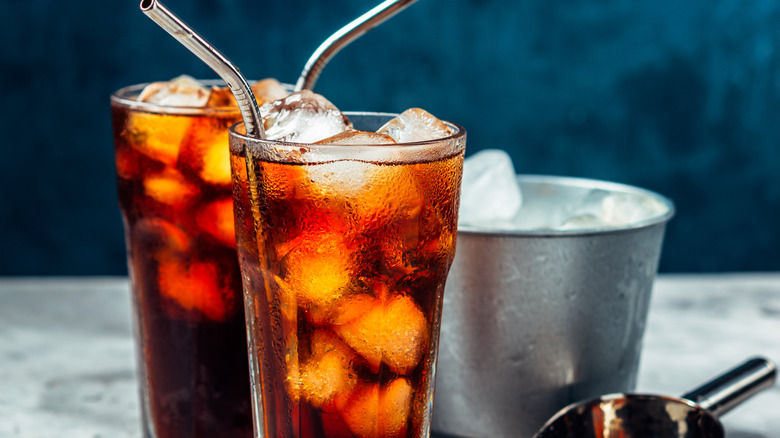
x=340 y=179
x=221 y=97
x=268 y=90
x=626 y=208
x=216 y=219
x=352 y=307
x=157 y=137
x=322 y=378
x=358 y=138
x=489 y=190
x=581 y=221
x=374 y=411
x=161 y=234
x=579 y=213
x=392 y=194
x=128 y=165
x=349 y=178
x=328 y=372
x=205 y=150
x=169 y=187
x=302 y=117
x=214 y=167
x=318 y=269
x=413 y=125
x=394 y=332
x=374 y=194
x=183 y=91
x=603 y=208
x=196 y=286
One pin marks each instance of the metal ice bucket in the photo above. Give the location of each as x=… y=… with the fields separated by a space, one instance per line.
x=535 y=320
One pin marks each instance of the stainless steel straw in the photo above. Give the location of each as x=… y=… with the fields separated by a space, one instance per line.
x=345 y=35
x=214 y=59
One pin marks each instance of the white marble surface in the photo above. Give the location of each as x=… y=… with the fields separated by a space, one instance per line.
x=67 y=360
x=700 y=326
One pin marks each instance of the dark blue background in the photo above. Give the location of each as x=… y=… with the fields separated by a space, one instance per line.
x=681 y=97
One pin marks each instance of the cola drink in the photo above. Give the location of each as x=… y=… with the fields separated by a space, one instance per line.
x=345 y=244
x=174 y=190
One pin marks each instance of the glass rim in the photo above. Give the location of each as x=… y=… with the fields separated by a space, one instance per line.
x=122 y=98
x=458 y=134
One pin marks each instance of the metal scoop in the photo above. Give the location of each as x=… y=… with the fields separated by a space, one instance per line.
x=695 y=414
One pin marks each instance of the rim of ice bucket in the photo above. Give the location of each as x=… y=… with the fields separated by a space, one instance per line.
x=588 y=183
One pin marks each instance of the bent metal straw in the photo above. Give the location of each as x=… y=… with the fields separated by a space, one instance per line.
x=214 y=59
x=352 y=31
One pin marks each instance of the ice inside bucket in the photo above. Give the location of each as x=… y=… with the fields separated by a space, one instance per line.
x=548 y=306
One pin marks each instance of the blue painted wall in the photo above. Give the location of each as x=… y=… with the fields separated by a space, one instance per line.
x=679 y=97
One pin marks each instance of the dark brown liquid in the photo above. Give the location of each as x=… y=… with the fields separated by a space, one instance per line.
x=184 y=271
x=346 y=291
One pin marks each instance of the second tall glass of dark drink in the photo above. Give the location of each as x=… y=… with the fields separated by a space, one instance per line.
x=175 y=194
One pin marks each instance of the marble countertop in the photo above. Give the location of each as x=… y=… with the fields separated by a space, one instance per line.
x=68 y=370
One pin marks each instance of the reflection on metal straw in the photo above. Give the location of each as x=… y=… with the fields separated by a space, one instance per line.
x=214 y=59
x=345 y=35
